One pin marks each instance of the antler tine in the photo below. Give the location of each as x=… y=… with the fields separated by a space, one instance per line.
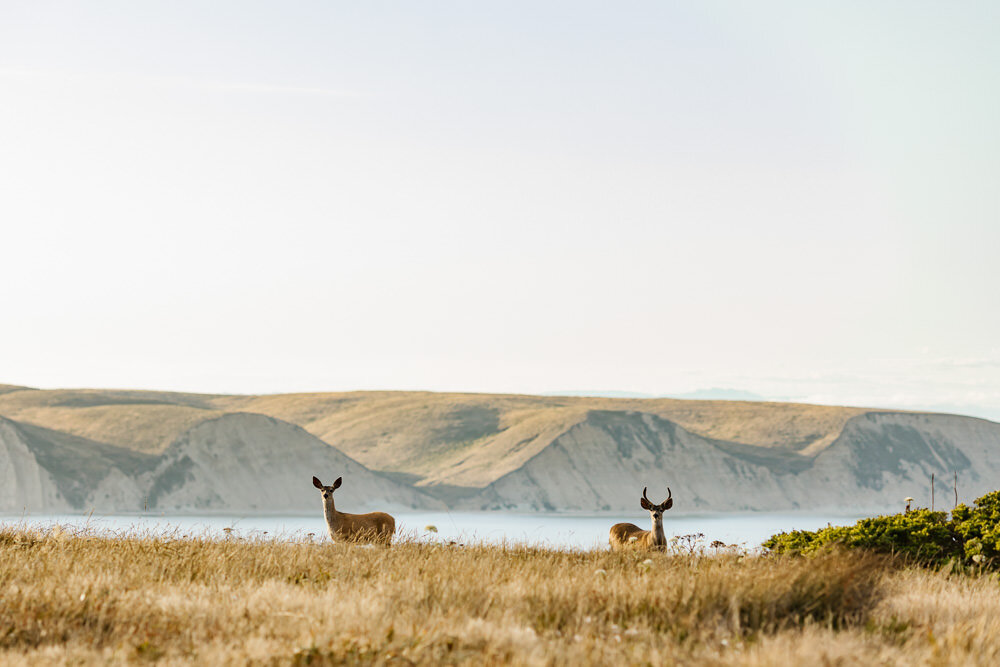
x=669 y=495
x=644 y=495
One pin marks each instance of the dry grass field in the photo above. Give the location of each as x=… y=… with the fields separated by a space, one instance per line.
x=84 y=599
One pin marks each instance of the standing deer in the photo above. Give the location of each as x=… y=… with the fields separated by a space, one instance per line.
x=371 y=527
x=628 y=534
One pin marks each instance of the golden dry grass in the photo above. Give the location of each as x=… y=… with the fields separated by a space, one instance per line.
x=84 y=599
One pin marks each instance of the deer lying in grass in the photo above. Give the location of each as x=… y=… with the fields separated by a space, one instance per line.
x=371 y=527
x=625 y=535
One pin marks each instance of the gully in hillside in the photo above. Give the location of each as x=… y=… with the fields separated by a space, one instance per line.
x=372 y=527
x=624 y=535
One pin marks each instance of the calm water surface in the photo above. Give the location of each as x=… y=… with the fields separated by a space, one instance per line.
x=555 y=530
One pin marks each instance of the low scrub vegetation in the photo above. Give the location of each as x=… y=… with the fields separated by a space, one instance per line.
x=82 y=598
x=968 y=537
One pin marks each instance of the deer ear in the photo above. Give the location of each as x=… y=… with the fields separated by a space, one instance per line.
x=668 y=504
x=318 y=484
x=340 y=480
x=646 y=505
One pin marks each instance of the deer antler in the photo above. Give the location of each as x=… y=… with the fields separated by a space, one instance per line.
x=644 y=495
x=669 y=502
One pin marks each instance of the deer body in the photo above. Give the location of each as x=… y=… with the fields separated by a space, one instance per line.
x=624 y=535
x=371 y=527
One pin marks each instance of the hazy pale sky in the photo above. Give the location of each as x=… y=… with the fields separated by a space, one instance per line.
x=795 y=199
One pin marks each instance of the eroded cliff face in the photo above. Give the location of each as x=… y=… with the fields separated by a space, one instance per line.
x=24 y=484
x=888 y=456
x=236 y=462
x=602 y=463
x=579 y=460
x=254 y=463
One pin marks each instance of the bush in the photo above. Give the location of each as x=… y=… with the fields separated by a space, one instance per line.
x=971 y=535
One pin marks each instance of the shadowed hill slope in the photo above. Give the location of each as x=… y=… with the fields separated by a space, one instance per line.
x=261 y=464
x=472 y=439
x=143 y=421
x=878 y=459
x=134 y=451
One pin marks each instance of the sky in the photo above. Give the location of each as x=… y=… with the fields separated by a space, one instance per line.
x=797 y=200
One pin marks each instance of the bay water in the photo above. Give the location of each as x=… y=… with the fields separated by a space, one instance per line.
x=744 y=529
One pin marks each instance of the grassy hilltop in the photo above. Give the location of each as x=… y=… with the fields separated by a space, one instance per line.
x=421 y=433
x=83 y=599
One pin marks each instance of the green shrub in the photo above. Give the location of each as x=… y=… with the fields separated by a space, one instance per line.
x=971 y=535
x=979 y=528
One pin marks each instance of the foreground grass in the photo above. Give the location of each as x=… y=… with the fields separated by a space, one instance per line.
x=86 y=599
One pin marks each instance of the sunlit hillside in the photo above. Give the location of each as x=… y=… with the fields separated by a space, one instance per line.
x=434 y=438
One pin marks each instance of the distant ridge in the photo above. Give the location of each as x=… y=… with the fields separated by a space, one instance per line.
x=124 y=450
x=713 y=394
x=598 y=393
x=720 y=394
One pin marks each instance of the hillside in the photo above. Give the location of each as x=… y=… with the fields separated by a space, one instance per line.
x=477 y=451
x=473 y=439
x=878 y=459
x=140 y=451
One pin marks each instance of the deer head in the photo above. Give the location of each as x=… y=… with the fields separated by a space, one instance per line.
x=327 y=490
x=657 y=510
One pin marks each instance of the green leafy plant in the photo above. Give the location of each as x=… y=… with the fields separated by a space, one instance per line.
x=970 y=535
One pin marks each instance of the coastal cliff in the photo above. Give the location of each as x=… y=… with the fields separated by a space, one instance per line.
x=133 y=451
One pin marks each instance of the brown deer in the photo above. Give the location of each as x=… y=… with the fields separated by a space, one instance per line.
x=371 y=527
x=624 y=535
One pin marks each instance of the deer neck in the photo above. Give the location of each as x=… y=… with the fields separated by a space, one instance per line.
x=656 y=536
x=333 y=517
